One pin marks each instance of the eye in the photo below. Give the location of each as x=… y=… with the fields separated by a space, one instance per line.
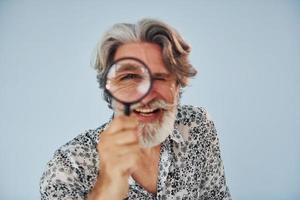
x=132 y=77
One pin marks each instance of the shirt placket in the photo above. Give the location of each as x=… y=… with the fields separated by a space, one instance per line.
x=164 y=167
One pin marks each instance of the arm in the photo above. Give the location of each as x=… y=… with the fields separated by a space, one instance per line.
x=120 y=153
x=73 y=173
x=60 y=180
x=214 y=186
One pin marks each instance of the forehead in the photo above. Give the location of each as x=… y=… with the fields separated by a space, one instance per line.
x=149 y=53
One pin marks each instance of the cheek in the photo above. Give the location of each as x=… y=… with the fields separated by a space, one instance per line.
x=175 y=93
x=168 y=92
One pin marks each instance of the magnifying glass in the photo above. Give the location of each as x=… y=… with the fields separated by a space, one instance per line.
x=128 y=81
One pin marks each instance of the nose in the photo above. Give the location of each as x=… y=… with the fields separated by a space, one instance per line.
x=162 y=91
x=151 y=95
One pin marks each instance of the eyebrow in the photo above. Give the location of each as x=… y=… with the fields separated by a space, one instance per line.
x=128 y=67
x=162 y=75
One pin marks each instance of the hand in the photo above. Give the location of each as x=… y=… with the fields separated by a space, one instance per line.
x=120 y=155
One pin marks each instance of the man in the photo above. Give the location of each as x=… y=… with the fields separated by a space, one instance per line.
x=162 y=150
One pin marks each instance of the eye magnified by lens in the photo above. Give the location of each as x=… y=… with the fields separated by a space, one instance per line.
x=128 y=81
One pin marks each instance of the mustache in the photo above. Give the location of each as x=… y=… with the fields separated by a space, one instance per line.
x=155 y=104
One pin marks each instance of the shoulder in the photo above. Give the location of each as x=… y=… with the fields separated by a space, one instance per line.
x=191 y=116
x=195 y=123
x=186 y=112
x=88 y=138
x=85 y=142
x=73 y=166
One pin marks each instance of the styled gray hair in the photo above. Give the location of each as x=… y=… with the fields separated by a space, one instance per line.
x=175 y=50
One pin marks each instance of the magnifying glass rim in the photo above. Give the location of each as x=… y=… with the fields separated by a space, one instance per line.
x=139 y=61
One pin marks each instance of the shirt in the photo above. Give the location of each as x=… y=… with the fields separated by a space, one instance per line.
x=190 y=165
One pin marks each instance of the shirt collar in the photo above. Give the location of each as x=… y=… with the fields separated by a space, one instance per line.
x=176 y=135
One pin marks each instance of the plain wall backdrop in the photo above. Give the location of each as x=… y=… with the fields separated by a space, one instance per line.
x=247 y=54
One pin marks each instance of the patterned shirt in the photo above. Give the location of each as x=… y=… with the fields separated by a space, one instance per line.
x=190 y=165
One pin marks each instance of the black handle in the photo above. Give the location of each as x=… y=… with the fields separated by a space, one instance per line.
x=127 y=109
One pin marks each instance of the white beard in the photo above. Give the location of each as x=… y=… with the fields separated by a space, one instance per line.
x=155 y=133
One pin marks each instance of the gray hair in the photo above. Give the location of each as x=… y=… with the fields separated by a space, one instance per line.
x=175 y=50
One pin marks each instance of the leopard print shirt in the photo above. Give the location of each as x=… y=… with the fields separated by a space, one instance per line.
x=190 y=164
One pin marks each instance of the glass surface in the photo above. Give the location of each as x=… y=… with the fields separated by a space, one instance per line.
x=128 y=80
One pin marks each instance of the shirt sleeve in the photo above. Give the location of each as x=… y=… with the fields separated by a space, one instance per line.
x=73 y=170
x=214 y=184
x=61 y=179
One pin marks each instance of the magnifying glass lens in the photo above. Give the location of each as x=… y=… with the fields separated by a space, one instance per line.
x=128 y=80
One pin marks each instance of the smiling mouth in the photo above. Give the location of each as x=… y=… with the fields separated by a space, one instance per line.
x=147 y=111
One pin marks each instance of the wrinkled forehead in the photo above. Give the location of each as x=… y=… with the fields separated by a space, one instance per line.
x=149 y=53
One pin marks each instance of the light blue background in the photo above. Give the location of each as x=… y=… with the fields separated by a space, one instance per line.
x=247 y=54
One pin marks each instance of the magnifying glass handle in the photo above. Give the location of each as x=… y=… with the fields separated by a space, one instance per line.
x=127 y=109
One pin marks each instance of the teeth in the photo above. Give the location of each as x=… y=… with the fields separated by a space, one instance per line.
x=145 y=110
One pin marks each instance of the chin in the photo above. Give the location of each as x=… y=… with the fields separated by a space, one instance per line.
x=156 y=121
x=155 y=132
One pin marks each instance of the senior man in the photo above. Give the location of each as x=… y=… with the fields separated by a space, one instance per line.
x=163 y=150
